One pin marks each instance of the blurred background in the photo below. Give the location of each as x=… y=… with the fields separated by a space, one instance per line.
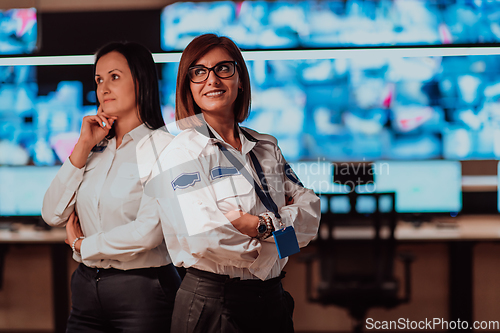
x=408 y=89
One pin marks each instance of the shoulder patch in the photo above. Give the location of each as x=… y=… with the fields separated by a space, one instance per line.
x=185 y=180
x=220 y=171
x=291 y=175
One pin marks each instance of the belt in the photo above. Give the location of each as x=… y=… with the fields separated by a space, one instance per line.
x=222 y=286
x=228 y=280
x=96 y=272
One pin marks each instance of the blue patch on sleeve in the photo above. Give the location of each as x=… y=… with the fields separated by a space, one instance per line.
x=184 y=180
x=220 y=171
x=292 y=176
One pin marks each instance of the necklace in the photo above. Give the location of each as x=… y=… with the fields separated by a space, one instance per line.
x=240 y=146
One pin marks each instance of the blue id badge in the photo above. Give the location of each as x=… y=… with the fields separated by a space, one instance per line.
x=286 y=242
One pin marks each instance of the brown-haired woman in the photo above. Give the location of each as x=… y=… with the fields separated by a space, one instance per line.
x=125 y=281
x=222 y=192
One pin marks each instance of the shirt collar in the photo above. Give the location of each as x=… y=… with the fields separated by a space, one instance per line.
x=248 y=142
x=138 y=133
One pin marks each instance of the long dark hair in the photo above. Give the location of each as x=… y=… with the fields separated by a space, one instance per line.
x=143 y=69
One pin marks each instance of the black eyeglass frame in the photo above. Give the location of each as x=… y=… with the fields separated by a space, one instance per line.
x=235 y=63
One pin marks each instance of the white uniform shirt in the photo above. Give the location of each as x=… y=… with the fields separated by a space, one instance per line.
x=197 y=186
x=120 y=223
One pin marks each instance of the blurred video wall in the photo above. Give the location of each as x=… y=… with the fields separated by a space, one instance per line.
x=351 y=109
x=373 y=108
x=333 y=23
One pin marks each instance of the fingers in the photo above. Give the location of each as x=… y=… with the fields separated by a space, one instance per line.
x=104 y=122
x=111 y=118
x=98 y=120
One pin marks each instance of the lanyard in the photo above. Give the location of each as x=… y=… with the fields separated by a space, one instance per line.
x=262 y=193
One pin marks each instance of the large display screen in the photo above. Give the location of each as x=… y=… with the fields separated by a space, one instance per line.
x=333 y=23
x=423 y=186
x=22 y=189
x=38 y=129
x=18 y=31
x=371 y=108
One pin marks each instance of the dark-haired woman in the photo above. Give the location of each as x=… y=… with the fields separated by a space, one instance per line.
x=222 y=191
x=125 y=281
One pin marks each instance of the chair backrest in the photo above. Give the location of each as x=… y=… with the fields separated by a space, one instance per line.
x=363 y=253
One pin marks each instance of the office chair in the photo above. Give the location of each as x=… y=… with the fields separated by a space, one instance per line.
x=357 y=274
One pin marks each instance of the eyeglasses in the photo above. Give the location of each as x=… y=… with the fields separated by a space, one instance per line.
x=223 y=70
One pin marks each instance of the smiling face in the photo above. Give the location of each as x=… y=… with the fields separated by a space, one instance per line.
x=115 y=86
x=216 y=96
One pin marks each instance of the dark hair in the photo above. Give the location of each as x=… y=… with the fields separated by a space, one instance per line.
x=143 y=69
x=185 y=107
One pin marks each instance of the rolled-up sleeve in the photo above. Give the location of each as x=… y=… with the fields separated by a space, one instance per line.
x=304 y=214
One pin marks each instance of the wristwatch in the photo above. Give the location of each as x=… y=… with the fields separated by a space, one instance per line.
x=261 y=228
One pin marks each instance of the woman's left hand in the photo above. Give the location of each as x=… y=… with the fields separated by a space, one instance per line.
x=73 y=231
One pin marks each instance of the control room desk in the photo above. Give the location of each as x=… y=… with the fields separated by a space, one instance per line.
x=460 y=234
x=27 y=235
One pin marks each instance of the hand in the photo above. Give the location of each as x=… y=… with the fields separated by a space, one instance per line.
x=245 y=223
x=94 y=130
x=73 y=231
x=288 y=200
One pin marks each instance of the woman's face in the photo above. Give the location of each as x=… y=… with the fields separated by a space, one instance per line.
x=115 y=86
x=216 y=95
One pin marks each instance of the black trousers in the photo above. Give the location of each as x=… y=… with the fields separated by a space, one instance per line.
x=208 y=302
x=112 y=300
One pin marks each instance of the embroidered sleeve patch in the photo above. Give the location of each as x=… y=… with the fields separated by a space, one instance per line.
x=221 y=171
x=292 y=176
x=185 y=180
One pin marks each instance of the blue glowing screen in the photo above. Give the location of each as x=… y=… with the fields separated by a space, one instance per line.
x=421 y=186
x=18 y=31
x=372 y=108
x=341 y=23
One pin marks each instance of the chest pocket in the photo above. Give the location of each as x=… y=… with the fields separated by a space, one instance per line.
x=234 y=193
x=127 y=183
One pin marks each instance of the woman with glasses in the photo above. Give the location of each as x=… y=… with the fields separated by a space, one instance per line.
x=125 y=281
x=222 y=191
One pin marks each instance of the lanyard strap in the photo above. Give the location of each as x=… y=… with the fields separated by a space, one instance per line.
x=262 y=193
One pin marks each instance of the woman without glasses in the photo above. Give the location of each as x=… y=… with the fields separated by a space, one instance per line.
x=125 y=281
x=222 y=191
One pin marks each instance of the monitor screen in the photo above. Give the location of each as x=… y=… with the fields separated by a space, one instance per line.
x=371 y=108
x=332 y=23
x=18 y=31
x=22 y=189
x=317 y=176
x=421 y=186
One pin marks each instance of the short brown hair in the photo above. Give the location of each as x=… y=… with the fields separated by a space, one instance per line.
x=185 y=107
